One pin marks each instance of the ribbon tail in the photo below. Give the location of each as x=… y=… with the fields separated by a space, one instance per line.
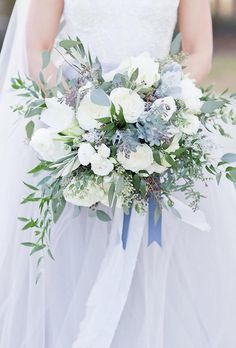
x=125 y=230
x=154 y=227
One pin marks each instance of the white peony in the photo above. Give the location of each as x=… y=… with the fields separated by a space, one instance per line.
x=88 y=113
x=85 y=153
x=87 y=197
x=192 y=124
x=147 y=67
x=156 y=168
x=139 y=160
x=132 y=104
x=58 y=116
x=169 y=107
x=100 y=165
x=104 y=151
x=191 y=95
x=44 y=143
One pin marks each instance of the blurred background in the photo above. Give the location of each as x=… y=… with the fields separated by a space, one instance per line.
x=223 y=73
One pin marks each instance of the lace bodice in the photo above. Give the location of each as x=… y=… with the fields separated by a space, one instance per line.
x=115 y=29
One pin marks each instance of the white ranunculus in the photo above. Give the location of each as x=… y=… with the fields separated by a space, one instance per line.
x=156 y=168
x=192 y=124
x=88 y=113
x=175 y=144
x=139 y=160
x=58 y=116
x=131 y=103
x=104 y=151
x=169 y=105
x=100 y=165
x=191 y=95
x=148 y=69
x=44 y=143
x=87 y=197
x=85 y=153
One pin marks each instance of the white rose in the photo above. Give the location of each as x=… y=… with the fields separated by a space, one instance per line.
x=100 y=165
x=147 y=67
x=139 y=160
x=58 y=116
x=44 y=143
x=192 y=124
x=156 y=168
x=131 y=103
x=169 y=107
x=104 y=151
x=85 y=153
x=87 y=197
x=88 y=113
x=191 y=95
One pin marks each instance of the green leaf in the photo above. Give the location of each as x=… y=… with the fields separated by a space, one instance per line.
x=29 y=244
x=30 y=186
x=46 y=59
x=156 y=156
x=29 y=225
x=23 y=219
x=103 y=216
x=39 y=168
x=136 y=182
x=68 y=44
x=111 y=193
x=57 y=205
x=29 y=129
x=157 y=214
x=218 y=177
x=99 y=97
x=104 y=120
x=51 y=255
x=134 y=75
x=229 y=158
x=210 y=106
x=176 y=44
x=37 y=248
x=170 y=160
x=143 y=188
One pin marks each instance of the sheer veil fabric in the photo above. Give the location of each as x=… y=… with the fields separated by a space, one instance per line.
x=96 y=295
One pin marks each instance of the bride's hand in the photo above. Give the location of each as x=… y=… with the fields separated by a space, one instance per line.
x=196 y=29
x=42 y=28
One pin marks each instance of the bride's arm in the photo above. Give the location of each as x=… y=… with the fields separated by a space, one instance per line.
x=196 y=29
x=42 y=28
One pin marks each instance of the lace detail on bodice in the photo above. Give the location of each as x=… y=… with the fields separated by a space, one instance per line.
x=115 y=29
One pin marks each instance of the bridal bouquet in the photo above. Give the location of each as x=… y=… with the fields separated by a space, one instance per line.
x=119 y=139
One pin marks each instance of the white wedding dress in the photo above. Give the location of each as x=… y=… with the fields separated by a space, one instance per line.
x=97 y=295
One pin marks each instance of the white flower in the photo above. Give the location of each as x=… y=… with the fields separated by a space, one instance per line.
x=191 y=95
x=44 y=143
x=88 y=113
x=100 y=165
x=85 y=153
x=175 y=144
x=104 y=151
x=131 y=103
x=139 y=160
x=156 y=168
x=148 y=69
x=169 y=106
x=192 y=124
x=87 y=197
x=58 y=116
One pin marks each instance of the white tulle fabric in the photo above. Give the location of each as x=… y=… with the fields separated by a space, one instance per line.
x=96 y=295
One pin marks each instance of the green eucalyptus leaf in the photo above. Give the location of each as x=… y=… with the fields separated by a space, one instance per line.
x=99 y=97
x=111 y=193
x=103 y=216
x=57 y=205
x=29 y=129
x=211 y=105
x=229 y=158
x=46 y=59
x=176 y=44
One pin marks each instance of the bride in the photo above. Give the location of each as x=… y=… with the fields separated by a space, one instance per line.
x=96 y=295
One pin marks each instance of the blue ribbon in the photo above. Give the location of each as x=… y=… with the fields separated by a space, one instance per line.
x=154 y=227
